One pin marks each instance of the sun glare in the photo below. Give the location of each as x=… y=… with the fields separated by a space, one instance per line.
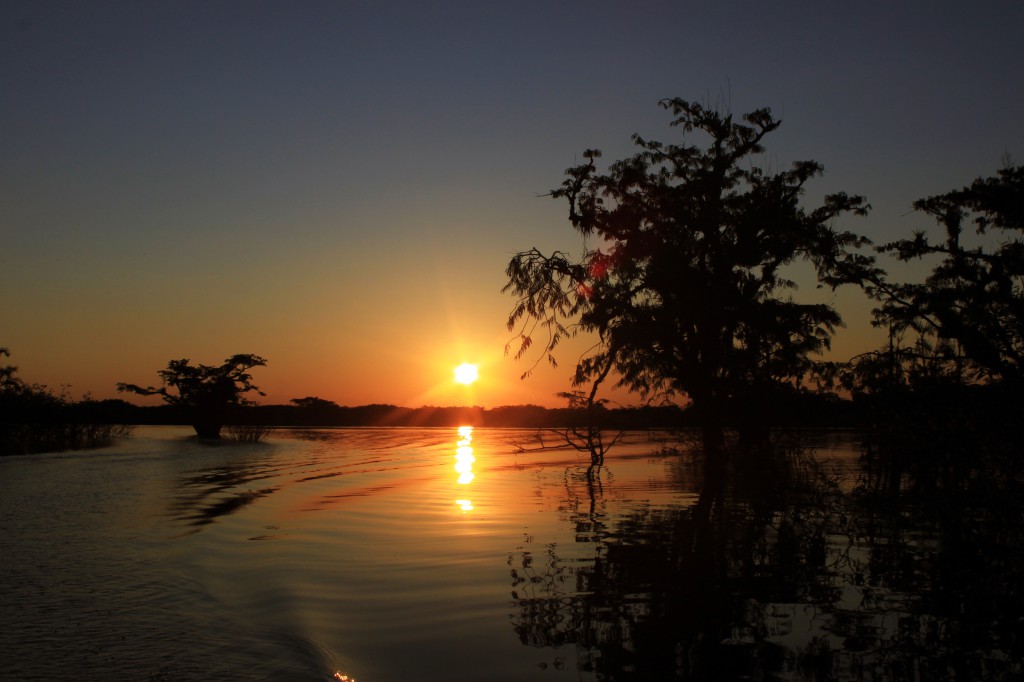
x=466 y=373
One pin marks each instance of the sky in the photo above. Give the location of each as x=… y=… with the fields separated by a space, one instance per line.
x=339 y=186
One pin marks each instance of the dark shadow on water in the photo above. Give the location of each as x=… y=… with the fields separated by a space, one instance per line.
x=227 y=505
x=206 y=494
x=789 y=577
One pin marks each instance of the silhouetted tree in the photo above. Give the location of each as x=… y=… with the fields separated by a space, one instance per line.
x=209 y=393
x=18 y=404
x=314 y=403
x=9 y=383
x=942 y=398
x=35 y=419
x=687 y=289
x=316 y=410
x=966 y=320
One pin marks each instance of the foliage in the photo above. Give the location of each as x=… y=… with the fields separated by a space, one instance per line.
x=687 y=290
x=314 y=403
x=941 y=399
x=208 y=392
x=35 y=419
x=966 y=320
x=249 y=433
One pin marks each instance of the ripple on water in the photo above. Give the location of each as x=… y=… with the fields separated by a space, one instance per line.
x=350 y=550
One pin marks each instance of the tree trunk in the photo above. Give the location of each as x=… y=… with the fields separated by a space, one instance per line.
x=716 y=453
x=207 y=426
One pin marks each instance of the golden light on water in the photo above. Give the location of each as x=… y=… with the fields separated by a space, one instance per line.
x=464 y=462
x=466 y=374
x=464 y=465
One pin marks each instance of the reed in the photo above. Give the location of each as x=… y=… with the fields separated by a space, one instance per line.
x=248 y=433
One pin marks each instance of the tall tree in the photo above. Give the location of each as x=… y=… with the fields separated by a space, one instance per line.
x=687 y=289
x=208 y=392
x=967 y=317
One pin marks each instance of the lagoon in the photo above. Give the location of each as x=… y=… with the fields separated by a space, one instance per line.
x=444 y=554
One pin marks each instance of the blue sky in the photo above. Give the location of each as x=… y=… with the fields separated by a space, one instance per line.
x=338 y=186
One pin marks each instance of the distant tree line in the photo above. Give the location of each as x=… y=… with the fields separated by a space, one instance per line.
x=808 y=411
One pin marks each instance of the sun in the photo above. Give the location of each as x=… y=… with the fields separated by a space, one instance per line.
x=466 y=373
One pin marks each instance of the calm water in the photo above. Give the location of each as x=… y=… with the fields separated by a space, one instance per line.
x=425 y=554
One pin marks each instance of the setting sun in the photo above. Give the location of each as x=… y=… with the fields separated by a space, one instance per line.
x=466 y=373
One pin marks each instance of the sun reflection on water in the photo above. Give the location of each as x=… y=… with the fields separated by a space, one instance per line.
x=464 y=462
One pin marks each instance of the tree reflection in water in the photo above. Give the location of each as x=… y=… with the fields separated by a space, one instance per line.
x=788 y=577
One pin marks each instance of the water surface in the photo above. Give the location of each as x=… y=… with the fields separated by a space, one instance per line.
x=382 y=554
x=442 y=554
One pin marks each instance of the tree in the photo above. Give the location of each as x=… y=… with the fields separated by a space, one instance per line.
x=35 y=419
x=966 y=319
x=686 y=289
x=22 y=403
x=314 y=403
x=208 y=393
x=316 y=410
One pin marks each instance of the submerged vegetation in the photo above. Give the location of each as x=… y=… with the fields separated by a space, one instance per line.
x=248 y=433
x=688 y=289
x=688 y=292
x=35 y=419
x=210 y=395
x=943 y=399
x=914 y=574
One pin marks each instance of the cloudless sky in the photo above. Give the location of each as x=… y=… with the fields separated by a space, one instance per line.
x=338 y=186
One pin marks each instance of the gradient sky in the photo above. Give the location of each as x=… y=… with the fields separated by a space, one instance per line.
x=338 y=186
